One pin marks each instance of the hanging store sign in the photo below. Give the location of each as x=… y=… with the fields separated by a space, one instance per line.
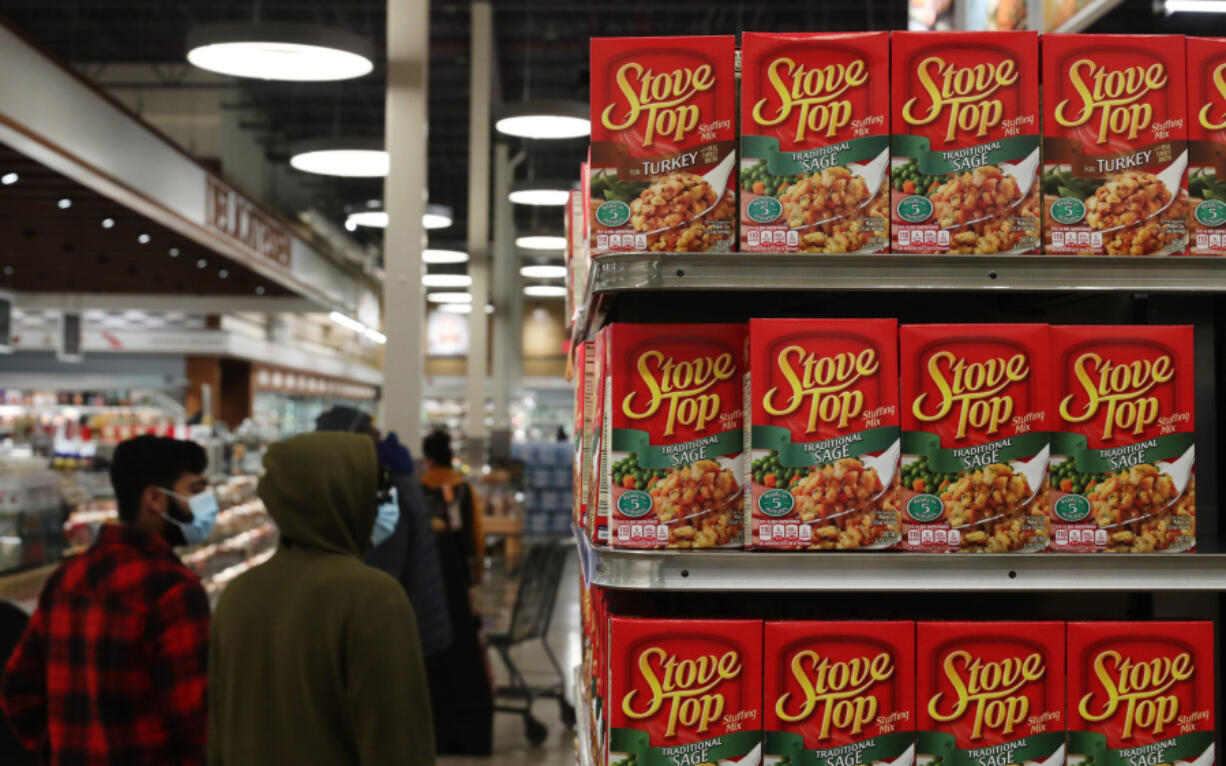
x=446 y=334
x=239 y=220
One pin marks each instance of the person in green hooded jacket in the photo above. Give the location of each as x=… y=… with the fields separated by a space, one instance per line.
x=315 y=657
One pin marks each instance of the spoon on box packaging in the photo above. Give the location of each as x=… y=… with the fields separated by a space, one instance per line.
x=873 y=173
x=1172 y=178
x=717 y=177
x=1180 y=471
x=1033 y=470
x=1024 y=172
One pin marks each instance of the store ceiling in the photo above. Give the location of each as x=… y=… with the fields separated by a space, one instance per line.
x=542 y=52
x=47 y=248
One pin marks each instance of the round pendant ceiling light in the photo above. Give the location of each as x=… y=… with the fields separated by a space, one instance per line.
x=349 y=158
x=541 y=242
x=449 y=297
x=545 y=291
x=280 y=51
x=435 y=217
x=544 y=119
x=446 y=280
x=539 y=193
x=543 y=271
x=431 y=255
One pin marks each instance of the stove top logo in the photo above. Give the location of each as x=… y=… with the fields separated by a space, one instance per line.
x=661 y=98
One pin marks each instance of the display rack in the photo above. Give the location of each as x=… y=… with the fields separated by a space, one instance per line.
x=727 y=571
x=613 y=275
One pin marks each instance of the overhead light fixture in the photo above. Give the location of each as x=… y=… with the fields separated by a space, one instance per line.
x=431 y=255
x=437 y=217
x=375 y=335
x=540 y=193
x=543 y=271
x=449 y=297
x=349 y=323
x=8 y=179
x=108 y=223
x=376 y=219
x=280 y=51
x=223 y=273
x=173 y=252
x=541 y=242
x=64 y=204
x=545 y=291
x=143 y=239
x=259 y=290
x=446 y=280
x=201 y=263
x=456 y=308
x=544 y=119
x=348 y=158
x=1195 y=6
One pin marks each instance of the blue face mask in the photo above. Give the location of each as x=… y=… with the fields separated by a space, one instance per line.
x=204 y=510
x=386 y=519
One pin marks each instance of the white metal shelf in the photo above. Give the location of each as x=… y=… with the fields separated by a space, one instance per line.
x=611 y=275
x=725 y=571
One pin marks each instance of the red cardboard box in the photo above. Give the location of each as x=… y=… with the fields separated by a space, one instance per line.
x=814 y=118
x=824 y=433
x=1207 y=145
x=990 y=692
x=839 y=692
x=1124 y=455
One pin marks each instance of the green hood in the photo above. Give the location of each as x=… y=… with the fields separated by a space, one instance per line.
x=320 y=489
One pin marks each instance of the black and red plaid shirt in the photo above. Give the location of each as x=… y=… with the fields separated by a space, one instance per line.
x=113 y=666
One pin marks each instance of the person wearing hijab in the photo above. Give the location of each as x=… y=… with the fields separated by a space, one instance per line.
x=315 y=656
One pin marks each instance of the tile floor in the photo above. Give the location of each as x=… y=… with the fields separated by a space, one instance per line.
x=510 y=746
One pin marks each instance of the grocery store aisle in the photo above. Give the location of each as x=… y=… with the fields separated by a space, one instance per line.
x=510 y=746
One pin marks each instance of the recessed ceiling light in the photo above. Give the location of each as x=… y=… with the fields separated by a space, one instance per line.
x=545 y=291
x=143 y=239
x=446 y=280
x=543 y=271
x=64 y=203
x=200 y=264
x=8 y=179
x=444 y=256
x=350 y=225
x=259 y=290
x=9 y=271
x=108 y=223
x=223 y=273
x=544 y=119
x=339 y=157
x=174 y=252
x=280 y=51
x=449 y=297
x=541 y=242
x=540 y=193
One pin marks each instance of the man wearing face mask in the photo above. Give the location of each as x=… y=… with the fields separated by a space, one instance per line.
x=315 y=657
x=113 y=665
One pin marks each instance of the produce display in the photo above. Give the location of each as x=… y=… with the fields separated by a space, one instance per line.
x=662 y=173
x=839 y=692
x=1115 y=136
x=1125 y=439
x=990 y=692
x=1206 y=146
x=976 y=409
x=823 y=430
x=1140 y=691
x=966 y=118
x=674 y=435
x=814 y=118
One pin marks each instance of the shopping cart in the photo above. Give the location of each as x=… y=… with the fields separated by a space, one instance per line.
x=541 y=571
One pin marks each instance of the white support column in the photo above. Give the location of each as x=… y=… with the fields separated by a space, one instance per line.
x=480 y=90
x=505 y=278
x=408 y=48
